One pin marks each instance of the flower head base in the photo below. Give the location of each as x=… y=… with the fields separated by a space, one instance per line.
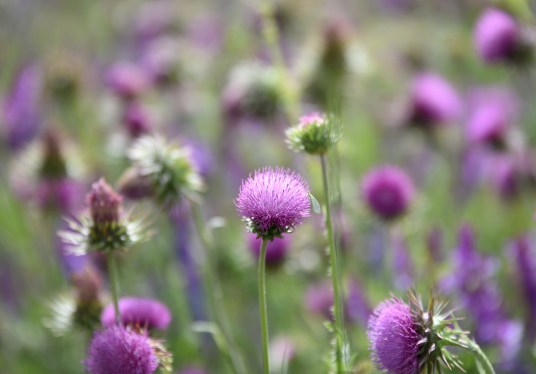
x=106 y=228
x=273 y=201
x=407 y=339
x=388 y=191
x=168 y=167
x=314 y=134
x=139 y=313
x=276 y=251
x=122 y=351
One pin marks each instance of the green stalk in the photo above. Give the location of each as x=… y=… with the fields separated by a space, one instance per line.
x=481 y=356
x=214 y=292
x=263 y=307
x=335 y=274
x=114 y=285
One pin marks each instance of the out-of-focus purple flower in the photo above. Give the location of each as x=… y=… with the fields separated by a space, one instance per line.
x=387 y=191
x=402 y=265
x=127 y=80
x=104 y=203
x=357 y=306
x=525 y=269
x=22 y=108
x=139 y=312
x=154 y=19
x=71 y=263
x=433 y=100
x=273 y=201
x=207 y=33
x=496 y=36
x=319 y=300
x=160 y=59
x=120 y=351
x=276 y=251
x=473 y=282
x=136 y=119
x=66 y=194
x=491 y=113
x=393 y=337
x=201 y=156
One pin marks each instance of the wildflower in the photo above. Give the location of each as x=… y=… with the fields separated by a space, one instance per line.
x=127 y=80
x=169 y=168
x=388 y=192
x=139 y=313
x=497 y=36
x=276 y=251
x=105 y=227
x=433 y=101
x=136 y=120
x=120 y=351
x=273 y=202
x=314 y=134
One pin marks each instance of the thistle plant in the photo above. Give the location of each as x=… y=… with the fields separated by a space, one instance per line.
x=272 y=202
x=316 y=134
x=412 y=339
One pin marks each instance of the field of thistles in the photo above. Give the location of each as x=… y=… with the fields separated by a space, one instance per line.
x=243 y=187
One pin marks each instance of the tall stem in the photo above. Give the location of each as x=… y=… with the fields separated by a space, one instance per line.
x=214 y=292
x=335 y=274
x=481 y=356
x=114 y=285
x=263 y=307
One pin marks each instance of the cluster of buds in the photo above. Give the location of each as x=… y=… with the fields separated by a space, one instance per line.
x=314 y=134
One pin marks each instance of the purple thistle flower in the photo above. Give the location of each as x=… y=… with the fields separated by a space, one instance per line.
x=127 y=80
x=22 y=108
x=496 y=35
x=388 y=192
x=273 y=201
x=433 y=100
x=136 y=119
x=120 y=351
x=104 y=203
x=276 y=251
x=138 y=312
x=393 y=337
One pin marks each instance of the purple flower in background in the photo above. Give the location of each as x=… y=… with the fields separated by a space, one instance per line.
x=276 y=251
x=139 y=312
x=153 y=19
x=160 y=59
x=120 y=351
x=273 y=201
x=387 y=191
x=525 y=269
x=402 y=265
x=491 y=114
x=319 y=300
x=357 y=306
x=496 y=35
x=65 y=193
x=127 y=80
x=22 y=108
x=393 y=337
x=136 y=119
x=433 y=100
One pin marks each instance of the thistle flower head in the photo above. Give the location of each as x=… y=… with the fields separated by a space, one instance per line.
x=406 y=339
x=168 y=166
x=139 y=313
x=120 y=351
x=314 y=134
x=388 y=192
x=105 y=227
x=273 y=201
x=496 y=35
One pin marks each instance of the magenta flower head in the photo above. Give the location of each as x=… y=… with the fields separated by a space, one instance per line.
x=127 y=80
x=120 y=351
x=276 y=251
x=394 y=339
x=104 y=203
x=388 y=192
x=497 y=36
x=138 y=313
x=273 y=202
x=433 y=100
x=136 y=119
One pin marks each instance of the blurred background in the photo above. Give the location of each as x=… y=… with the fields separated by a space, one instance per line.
x=416 y=84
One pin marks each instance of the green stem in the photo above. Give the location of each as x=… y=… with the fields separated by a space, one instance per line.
x=335 y=274
x=214 y=292
x=114 y=284
x=263 y=307
x=481 y=356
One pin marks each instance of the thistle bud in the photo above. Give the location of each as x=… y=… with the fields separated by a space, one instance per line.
x=314 y=134
x=104 y=204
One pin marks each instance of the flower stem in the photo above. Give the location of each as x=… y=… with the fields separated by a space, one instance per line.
x=481 y=356
x=335 y=274
x=114 y=285
x=214 y=292
x=263 y=307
